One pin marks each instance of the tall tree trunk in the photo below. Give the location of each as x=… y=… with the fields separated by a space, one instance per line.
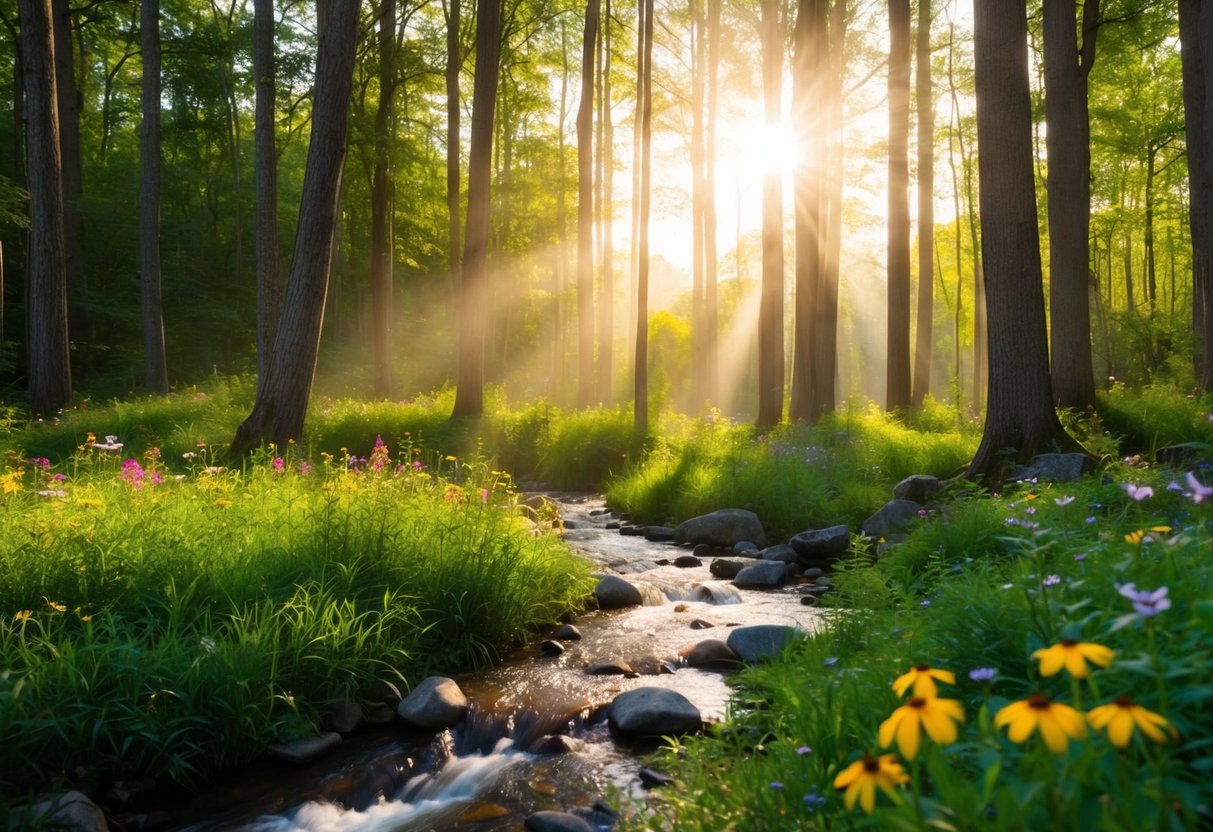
x=897 y=387
x=50 y=377
x=282 y=395
x=454 y=62
x=469 y=393
x=1130 y=294
x=980 y=339
x=770 y=310
x=585 y=211
x=1020 y=414
x=825 y=335
x=637 y=123
x=1068 y=141
x=559 y=366
x=382 y=200
x=954 y=127
x=269 y=281
x=698 y=53
x=925 y=341
x=69 y=103
x=644 y=62
x=18 y=113
x=155 y=362
x=711 y=322
x=606 y=168
x=226 y=65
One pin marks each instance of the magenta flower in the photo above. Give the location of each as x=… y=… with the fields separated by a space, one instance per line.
x=1148 y=603
x=279 y=463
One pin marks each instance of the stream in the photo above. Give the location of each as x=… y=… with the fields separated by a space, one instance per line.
x=488 y=773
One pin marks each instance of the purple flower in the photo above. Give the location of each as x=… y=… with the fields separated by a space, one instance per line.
x=59 y=477
x=1174 y=486
x=305 y=468
x=983 y=674
x=1199 y=492
x=776 y=785
x=1030 y=510
x=1090 y=520
x=814 y=800
x=1080 y=557
x=1052 y=580
x=1064 y=501
x=925 y=602
x=831 y=661
x=1137 y=493
x=804 y=749
x=417 y=466
x=1147 y=603
x=41 y=462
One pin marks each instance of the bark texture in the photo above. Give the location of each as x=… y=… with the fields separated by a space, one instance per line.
x=269 y=280
x=1196 y=36
x=155 y=364
x=585 y=211
x=897 y=385
x=644 y=76
x=924 y=342
x=770 y=309
x=382 y=198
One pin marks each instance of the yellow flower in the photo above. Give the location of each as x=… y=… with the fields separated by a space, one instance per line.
x=922 y=677
x=222 y=502
x=1139 y=536
x=937 y=716
x=862 y=777
x=1073 y=656
x=1058 y=723
x=56 y=606
x=23 y=615
x=9 y=484
x=1121 y=714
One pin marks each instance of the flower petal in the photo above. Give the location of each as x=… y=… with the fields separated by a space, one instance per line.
x=1120 y=729
x=908 y=734
x=888 y=728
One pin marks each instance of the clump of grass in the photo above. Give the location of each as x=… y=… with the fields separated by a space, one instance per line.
x=1155 y=416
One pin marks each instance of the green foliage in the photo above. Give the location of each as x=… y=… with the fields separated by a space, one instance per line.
x=1155 y=416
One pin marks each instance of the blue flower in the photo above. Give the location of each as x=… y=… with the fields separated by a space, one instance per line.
x=831 y=661
x=983 y=674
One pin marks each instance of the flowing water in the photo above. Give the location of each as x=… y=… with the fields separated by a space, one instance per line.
x=486 y=774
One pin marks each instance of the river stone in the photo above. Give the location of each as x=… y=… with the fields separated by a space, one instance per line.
x=551 y=647
x=568 y=632
x=808 y=600
x=703 y=550
x=653 y=712
x=762 y=575
x=67 y=811
x=744 y=547
x=823 y=580
x=916 y=487
x=654 y=779
x=379 y=713
x=726 y=569
x=435 y=703
x=343 y=718
x=711 y=652
x=631 y=531
x=726 y=527
x=556 y=744
x=814 y=572
x=783 y=553
x=893 y=516
x=700 y=624
x=609 y=668
x=687 y=562
x=1056 y=467
x=658 y=534
x=613 y=592
x=556 y=822
x=760 y=642
x=306 y=749
x=822 y=544
x=480 y=812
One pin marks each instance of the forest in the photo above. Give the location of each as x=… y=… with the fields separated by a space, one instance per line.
x=307 y=306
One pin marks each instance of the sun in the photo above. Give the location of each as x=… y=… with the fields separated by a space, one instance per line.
x=762 y=149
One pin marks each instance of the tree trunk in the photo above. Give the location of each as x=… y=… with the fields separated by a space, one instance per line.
x=897 y=385
x=559 y=366
x=711 y=366
x=1068 y=140
x=282 y=396
x=50 y=378
x=606 y=172
x=644 y=70
x=698 y=185
x=155 y=363
x=269 y=281
x=68 y=101
x=637 y=120
x=585 y=211
x=1130 y=294
x=925 y=341
x=18 y=114
x=382 y=199
x=825 y=335
x=770 y=310
x=454 y=62
x=469 y=394
x=1196 y=38
x=1020 y=414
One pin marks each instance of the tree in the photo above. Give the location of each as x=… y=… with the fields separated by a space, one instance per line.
x=924 y=343
x=644 y=97
x=1020 y=415
x=469 y=392
x=68 y=101
x=155 y=362
x=897 y=393
x=770 y=309
x=282 y=394
x=585 y=211
x=711 y=319
x=269 y=282
x=382 y=189
x=454 y=63
x=1068 y=57
x=1196 y=39
x=606 y=180
x=50 y=377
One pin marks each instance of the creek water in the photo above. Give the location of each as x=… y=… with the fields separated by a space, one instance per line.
x=486 y=774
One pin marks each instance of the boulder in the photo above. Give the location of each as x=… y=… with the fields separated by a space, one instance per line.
x=814 y=572
x=1056 y=467
x=548 y=821
x=893 y=516
x=761 y=575
x=306 y=749
x=653 y=712
x=726 y=569
x=609 y=668
x=556 y=744
x=917 y=487
x=726 y=527
x=700 y=624
x=613 y=592
x=658 y=534
x=435 y=703
x=653 y=779
x=712 y=652
x=631 y=531
x=761 y=642
x=782 y=553
x=687 y=562
x=70 y=810
x=703 y=550
x=551 y=647
x=745 y=547
x=822 y=544
x=567 y=632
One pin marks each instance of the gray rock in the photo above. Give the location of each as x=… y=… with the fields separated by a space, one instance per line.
x=551 y=647
x=567 y=632
x=609 y=668
x=556 y=822
x=435 y=703
x=761 y=642
x=725 y=527
x=744 y=547
x=702 y=550
x=893 y=516
x=631 y=531
x=70 y=811
x=658 y=534
x=343 y=718
x=917 y=487
x=556 y=744
x=1056 y=467
x=700 y=624
x=712 y=652
x=726 y=569
x=613 y=592
x=822 y=544
x=814 y=572
x=653 y=712
x=304 y=750
x=808 y=600
x=654 y=779
x=783 y=553
x=824 y=580
x=379 y=713
x=687 y=562
x=761 y=575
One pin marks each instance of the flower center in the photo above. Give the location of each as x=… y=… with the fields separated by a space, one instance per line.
x=871 y=765
x=917 y=702
x=922 y=668
x=1068 y=642
x=1039 y=701
x=1124 y=701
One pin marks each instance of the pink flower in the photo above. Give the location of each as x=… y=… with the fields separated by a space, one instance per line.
x=1199 y=492
x=278 y=463
x=484 y=495
x=1137 y=493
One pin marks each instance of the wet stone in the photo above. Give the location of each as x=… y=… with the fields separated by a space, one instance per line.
x=568 y=632
x=480 y=812
x=556 y=822
x=435 y=703
x=761 y=641
x=814 y=572
x=726 y=569
x=700 y=624
x=703 y=550
x=687 y=562
x=782 y=553
x=654 y=779
x=70 y=810
x=808 y=600
x=653 y=712
x=609 y=668
x=631 y=531
x=304 y=750
x=613 y=592
x=709 y=653
x=725 y=527
x=822 y=544
x=550 y=647
x=658 y=534
x=613 y=525
x=764 y=574
x=744 y=547
x=556 y=744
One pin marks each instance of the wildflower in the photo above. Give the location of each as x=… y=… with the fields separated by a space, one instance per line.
x=1139 y=536
x=1058 y=723
x=814 y=800
x=52 y=492
x=1073 y=656
x=776 y=785
x=279 y=463
x=1090 y=521
x=925 y=602
x=9 y=484
x=22 y=616
x=417 y=466
x=449 y=458
x=1064 y=501
x=937 y=716
x=804 y=749
x=222 y=502
x=831 y=661
x=484 y=496
x=1120 y=715
x=59 y=478
x=56 y=606
x=1148 y=603
x=862 y=777
x=305 y=468
x=1080 y=557
x=40 y=462
x=1051 y=580
x=111 y=443
x=1199 y=492
x=983 y=674
x=1137 y=493
x=1175 y=486
x=922 y=677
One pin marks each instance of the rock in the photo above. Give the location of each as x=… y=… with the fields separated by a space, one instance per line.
x=480 y=812
x=725 y=528
x=609 y=668
x=744 y=547
x=556 y=744
x=700 y=624
x=650 y=665
x=824 y=580
x=761 y=575
x=601 y=815
x=631 y=531
x=712 y=652
x=680 y=608
x=782 y=553
x=726 y=569
x=67 y=811
x=653 y=712
x=702 y=550
x=808 y=600
x=814 y=572
x=567 y=632
x=551 y=647
x=761 y=641
x=613 y=525
x=654 y=779
x=435 y=703
x=343 y=718
x=893 y=516
x=822 y=544
x=304 y=750
x=658 y=534
x=1056 y=467
x=379 y=713
x=556 y=822
x=687 y=561
x=613 y=592
x=917 y=487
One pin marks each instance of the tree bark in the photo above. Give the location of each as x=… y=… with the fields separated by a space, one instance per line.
x=644 y=61
x=382 y=199
x=711 y=323
x=50 y=378
x=454 y=62
x=1020 y=414
x=698 y=53
x=925 y=341
x=897 y=386
x=269 y=281
x=770 y=310
x=585 y=211
x=1196 y=49
x=69 y=102
x=18 y=114
x=606 y=172
x=1068 y=140
x=559 y=366
x=155 y=362
x=469 y=393
x=282 y=395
